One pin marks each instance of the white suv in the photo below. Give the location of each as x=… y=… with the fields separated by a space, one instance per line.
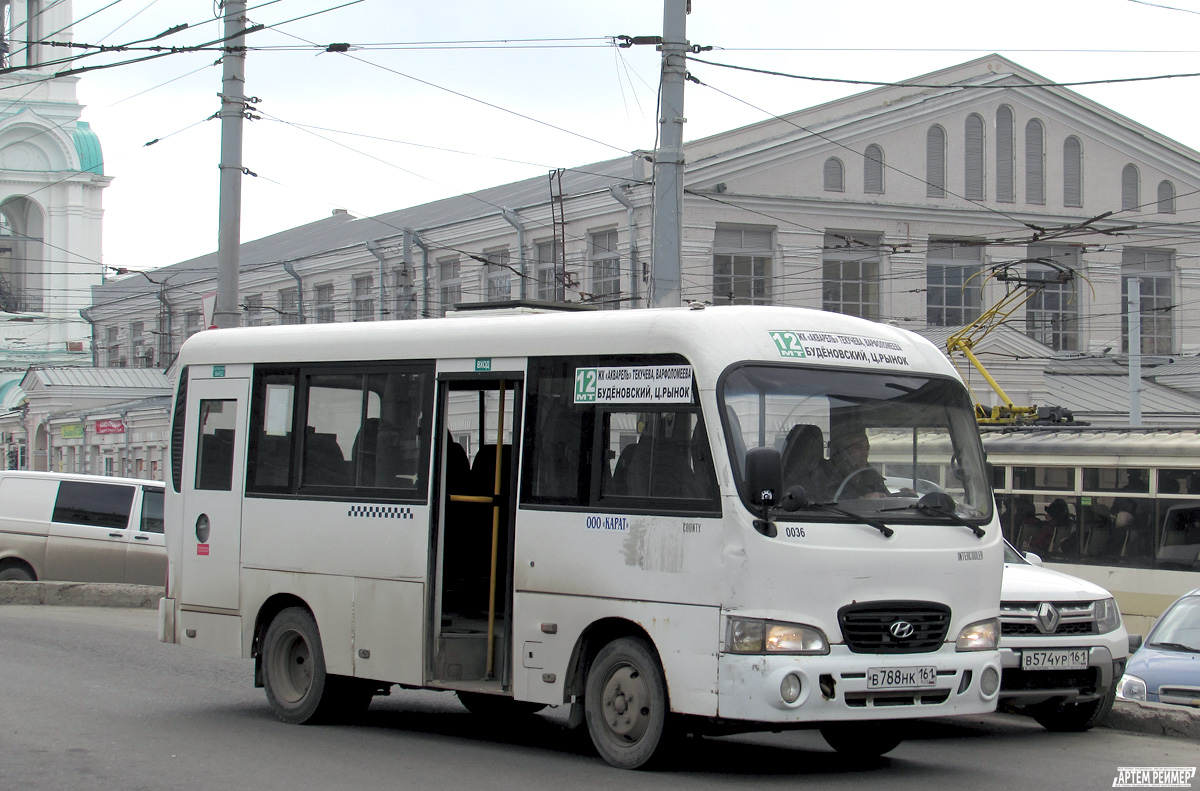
x=1062 y=645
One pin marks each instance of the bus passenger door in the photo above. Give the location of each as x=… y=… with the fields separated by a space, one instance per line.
x=212 y=485
x=478 y=433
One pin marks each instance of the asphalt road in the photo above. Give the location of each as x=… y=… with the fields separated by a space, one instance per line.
x=89 y=699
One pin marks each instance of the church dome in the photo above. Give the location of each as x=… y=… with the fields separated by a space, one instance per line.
x=91 y=158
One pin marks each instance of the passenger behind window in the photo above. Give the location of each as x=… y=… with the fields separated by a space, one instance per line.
x=324 y=464
x=804 y=462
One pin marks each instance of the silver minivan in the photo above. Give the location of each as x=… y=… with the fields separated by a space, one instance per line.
x=81 y=528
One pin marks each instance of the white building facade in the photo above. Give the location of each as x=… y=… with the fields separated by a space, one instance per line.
x=894 y=204
x=51 y=183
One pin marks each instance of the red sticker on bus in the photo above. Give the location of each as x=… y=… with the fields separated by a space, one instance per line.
x=202 y=549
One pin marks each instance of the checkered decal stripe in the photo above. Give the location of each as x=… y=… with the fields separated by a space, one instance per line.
x=380 y=512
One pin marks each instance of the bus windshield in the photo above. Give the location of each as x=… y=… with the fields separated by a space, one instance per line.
x=871 y=442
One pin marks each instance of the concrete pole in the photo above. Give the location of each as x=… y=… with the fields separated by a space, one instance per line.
x=1134 y=312
x=667 y=256
x=233 y=107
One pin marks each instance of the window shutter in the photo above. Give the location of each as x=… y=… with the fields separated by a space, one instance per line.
x=1072 y=172
x=1166 y=197
x=834 y=175
x=1129 y=187
x=1035 y=163
x=1005 y=192
x=974 y=164
x=935 y=162
x=873 y=170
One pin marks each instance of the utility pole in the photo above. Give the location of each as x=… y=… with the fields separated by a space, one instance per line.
x=667 y=259
x=233 y=109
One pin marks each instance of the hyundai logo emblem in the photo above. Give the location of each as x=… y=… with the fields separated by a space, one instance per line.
x=901 y=630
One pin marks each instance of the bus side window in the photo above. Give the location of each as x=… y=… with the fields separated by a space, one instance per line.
x=214 y=464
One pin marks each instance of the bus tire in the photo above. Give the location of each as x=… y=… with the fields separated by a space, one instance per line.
x=298 y=688
x=625 y=704
x=862 y=740
x=497 y=706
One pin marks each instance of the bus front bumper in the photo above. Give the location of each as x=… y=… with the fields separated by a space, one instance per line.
x=844 y=686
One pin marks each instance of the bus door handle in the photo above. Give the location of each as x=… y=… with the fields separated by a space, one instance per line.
x=141 y=538
x=116 y=535
x=472 y=498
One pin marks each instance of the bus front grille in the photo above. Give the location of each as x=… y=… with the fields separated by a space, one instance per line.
x=894 y=627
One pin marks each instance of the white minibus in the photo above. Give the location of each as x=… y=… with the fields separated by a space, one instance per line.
x=670 y=520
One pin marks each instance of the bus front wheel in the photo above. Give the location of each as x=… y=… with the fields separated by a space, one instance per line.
x=625 y=703
x=294 y=668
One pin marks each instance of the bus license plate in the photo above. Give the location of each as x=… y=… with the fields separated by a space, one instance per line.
x=1067 y=659
x=901 y=677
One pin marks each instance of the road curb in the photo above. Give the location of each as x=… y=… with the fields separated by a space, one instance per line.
x=1159 y=719
x=81 y=594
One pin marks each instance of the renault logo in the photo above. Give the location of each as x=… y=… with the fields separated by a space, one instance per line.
x=1048 y=618
x=901 y=630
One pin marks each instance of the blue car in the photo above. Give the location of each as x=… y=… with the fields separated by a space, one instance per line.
x=1166 y=669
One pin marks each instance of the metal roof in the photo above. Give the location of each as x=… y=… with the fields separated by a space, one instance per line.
x=128 y=378
x=343 y=230
x=1091 y=443
x=1109 y=395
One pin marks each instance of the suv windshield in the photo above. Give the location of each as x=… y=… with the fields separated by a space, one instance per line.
x=871 y=442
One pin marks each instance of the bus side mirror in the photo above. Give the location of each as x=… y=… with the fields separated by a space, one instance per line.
x=764 y=478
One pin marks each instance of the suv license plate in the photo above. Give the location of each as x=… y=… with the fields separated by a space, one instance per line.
x=1068 y=659
x=901 y=677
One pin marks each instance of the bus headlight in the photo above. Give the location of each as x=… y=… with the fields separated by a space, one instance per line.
x=1108 y=615
x=755 y=636
x=979 y=636
x=1131 y=688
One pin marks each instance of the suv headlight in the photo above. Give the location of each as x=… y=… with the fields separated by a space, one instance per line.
x=979 y=636
x=1131 y=688
x=1108 y=615
x=755 y=636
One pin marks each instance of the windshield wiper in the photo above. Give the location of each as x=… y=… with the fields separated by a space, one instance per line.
x=1174 y=646
x=940 y=504
x=797 y=499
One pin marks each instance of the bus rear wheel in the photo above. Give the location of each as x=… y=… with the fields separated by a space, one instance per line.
x=293 y=664
x=625 y=704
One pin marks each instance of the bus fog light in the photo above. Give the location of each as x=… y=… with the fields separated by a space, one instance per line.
x=989 y=682
x=789 y=688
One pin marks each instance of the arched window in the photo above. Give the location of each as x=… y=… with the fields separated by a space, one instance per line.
x=1072 y=172
x=1035 y=162
x=974 y=161
x=1130 y=188
x=835 y=175
x=873 y=170
x=935 y=162
x=1166 y=197
x=1005 y=191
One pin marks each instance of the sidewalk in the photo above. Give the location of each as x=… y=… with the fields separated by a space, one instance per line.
x=81 y=594
x=1157 y=719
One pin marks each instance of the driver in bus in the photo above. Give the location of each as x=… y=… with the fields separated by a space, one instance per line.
x=851 y=473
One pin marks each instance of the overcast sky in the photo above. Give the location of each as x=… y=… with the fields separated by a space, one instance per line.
x=361 y=131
